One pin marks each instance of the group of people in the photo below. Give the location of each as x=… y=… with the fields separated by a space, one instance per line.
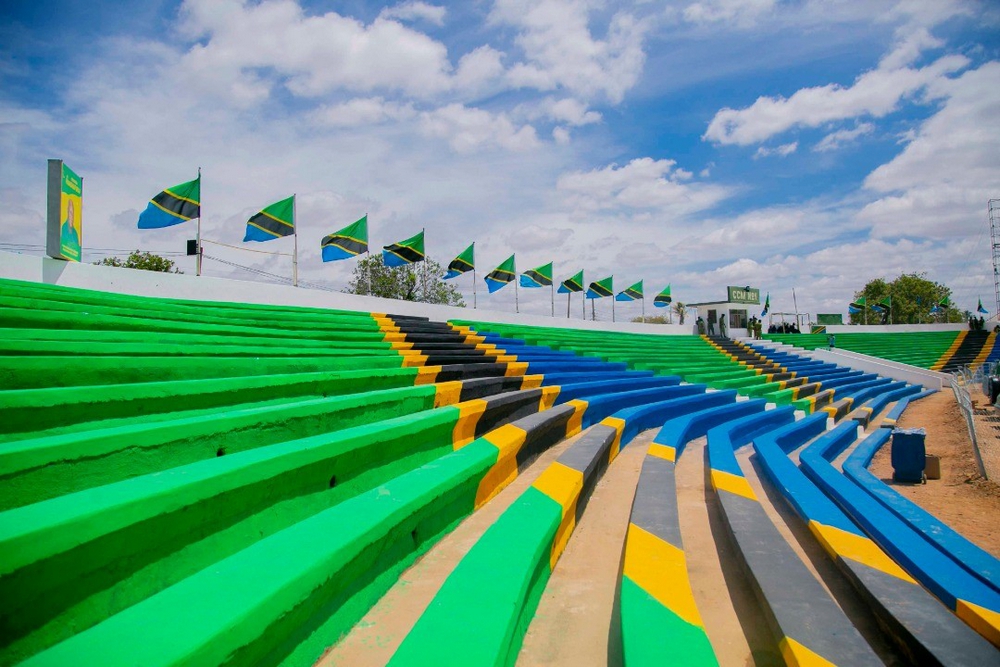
x=977 y=324
x=755 y=328
x=784 y=328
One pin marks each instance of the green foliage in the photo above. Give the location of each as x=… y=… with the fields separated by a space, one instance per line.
x=913 y=296
x=145 y=261
x=681 y=310
x=405 y=283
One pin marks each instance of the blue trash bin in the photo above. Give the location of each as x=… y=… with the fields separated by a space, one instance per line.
x=908 y=455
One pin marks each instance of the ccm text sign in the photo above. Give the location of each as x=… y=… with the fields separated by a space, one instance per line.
x=744 y=294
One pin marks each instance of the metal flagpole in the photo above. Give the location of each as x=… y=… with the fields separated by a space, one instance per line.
x=474 y=287
x=612 y=309
x=553 y=286
x=517 y=308
x=295 y=255
x=368 y=264
x=643 y=308
x=423 y=231
x=583 y=302
x=568 y=295
x=593 y=315
x=198 y=261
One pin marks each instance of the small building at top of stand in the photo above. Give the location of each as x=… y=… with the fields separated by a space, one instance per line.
x=740 y=304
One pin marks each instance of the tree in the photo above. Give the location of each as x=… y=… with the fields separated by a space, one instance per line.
x=405 y=283
x=681 y=311
x=913 y=296
x=145 y=261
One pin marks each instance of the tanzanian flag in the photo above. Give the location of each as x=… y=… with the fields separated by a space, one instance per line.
x=500 y=276
x=663 y=299
x=350 y=241
x=572 y=284
x=941 y=306
x=767 y=306
x=173 y=206
x=273 y=222
x=539 y=277
x=631 y=294
x=601 y=288
x=884 y=305
x=405 y=252
x=466 y=261
x=982 y=310
x=859 y=304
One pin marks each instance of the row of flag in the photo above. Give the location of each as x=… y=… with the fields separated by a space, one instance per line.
x=885 y=306
x=182 y=203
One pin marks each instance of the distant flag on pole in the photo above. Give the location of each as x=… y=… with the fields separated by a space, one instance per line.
x=350 y=241
x=272 y=222
x=500 y=276
x=601 y=288
x=632 y=293
x=173 y=206
x=663 y=299
x=767 y=305
x=884 y=305
x=859 y=304
x=405 y=252
x=538 y=277
x=466 y=261
x=572 y=284
x=982 y=310
x=853 y=310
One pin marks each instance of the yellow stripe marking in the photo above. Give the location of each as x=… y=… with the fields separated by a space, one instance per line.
x=665 y=452
x=619 y=426
x=411 y=360
x=985 y=352
x=797 y=655
x=549 y=395
x=950 y=352
x=563 y=485
x=532 y=381
x=401 y=345
x=508 y=439
x=472 y=338
x=447 y=393
x=575 y=423
x=489 y=347
x=735 y=484
x=469 y=413
x=841 y=543
x=984 y=621
x=660 y=569
x=506 y=358
x=516 y=368
x=393 y=337
x=427 y=375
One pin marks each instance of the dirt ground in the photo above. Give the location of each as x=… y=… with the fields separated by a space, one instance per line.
x=961 y=498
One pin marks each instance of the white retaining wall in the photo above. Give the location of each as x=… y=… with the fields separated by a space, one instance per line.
x=184 y=286
x=884 y=367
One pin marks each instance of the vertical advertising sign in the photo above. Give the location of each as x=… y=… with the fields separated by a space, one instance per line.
x=64 y=229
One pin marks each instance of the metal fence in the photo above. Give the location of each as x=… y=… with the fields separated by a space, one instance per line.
x=972 y=392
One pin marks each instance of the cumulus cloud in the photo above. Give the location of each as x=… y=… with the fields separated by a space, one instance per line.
x=875 y=93
x=938 y=186
x=467 y=129
x=781 y=151
x=837 y=139
x=313 y=54
x=363 y=111
x=741 y=12
x=560 y=52
x=415 y=11
x=643 y=183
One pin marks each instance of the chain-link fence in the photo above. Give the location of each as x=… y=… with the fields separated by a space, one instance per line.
x=972 y=392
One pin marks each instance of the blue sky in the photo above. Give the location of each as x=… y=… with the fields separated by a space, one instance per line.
x=808 y=145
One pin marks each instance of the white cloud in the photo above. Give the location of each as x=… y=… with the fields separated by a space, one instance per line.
x=783 y=150
x=741 y=12
x=835 y=140
x=312 y=55
x=561 y=52
x=875 y=93
x=415 y=11
x=911 y=43
x=939 y=185
x=467 y=129
x=643 y=183
x=478 y=68
x=363 y=111
x=561 y=135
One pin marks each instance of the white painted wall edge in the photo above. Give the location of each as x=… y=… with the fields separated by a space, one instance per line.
x=895 y=328
x=205 y=288
x=890 y=369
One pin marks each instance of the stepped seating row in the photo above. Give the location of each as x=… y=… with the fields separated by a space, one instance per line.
x=923 y=349
x=804 y=637
x=198 y=483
